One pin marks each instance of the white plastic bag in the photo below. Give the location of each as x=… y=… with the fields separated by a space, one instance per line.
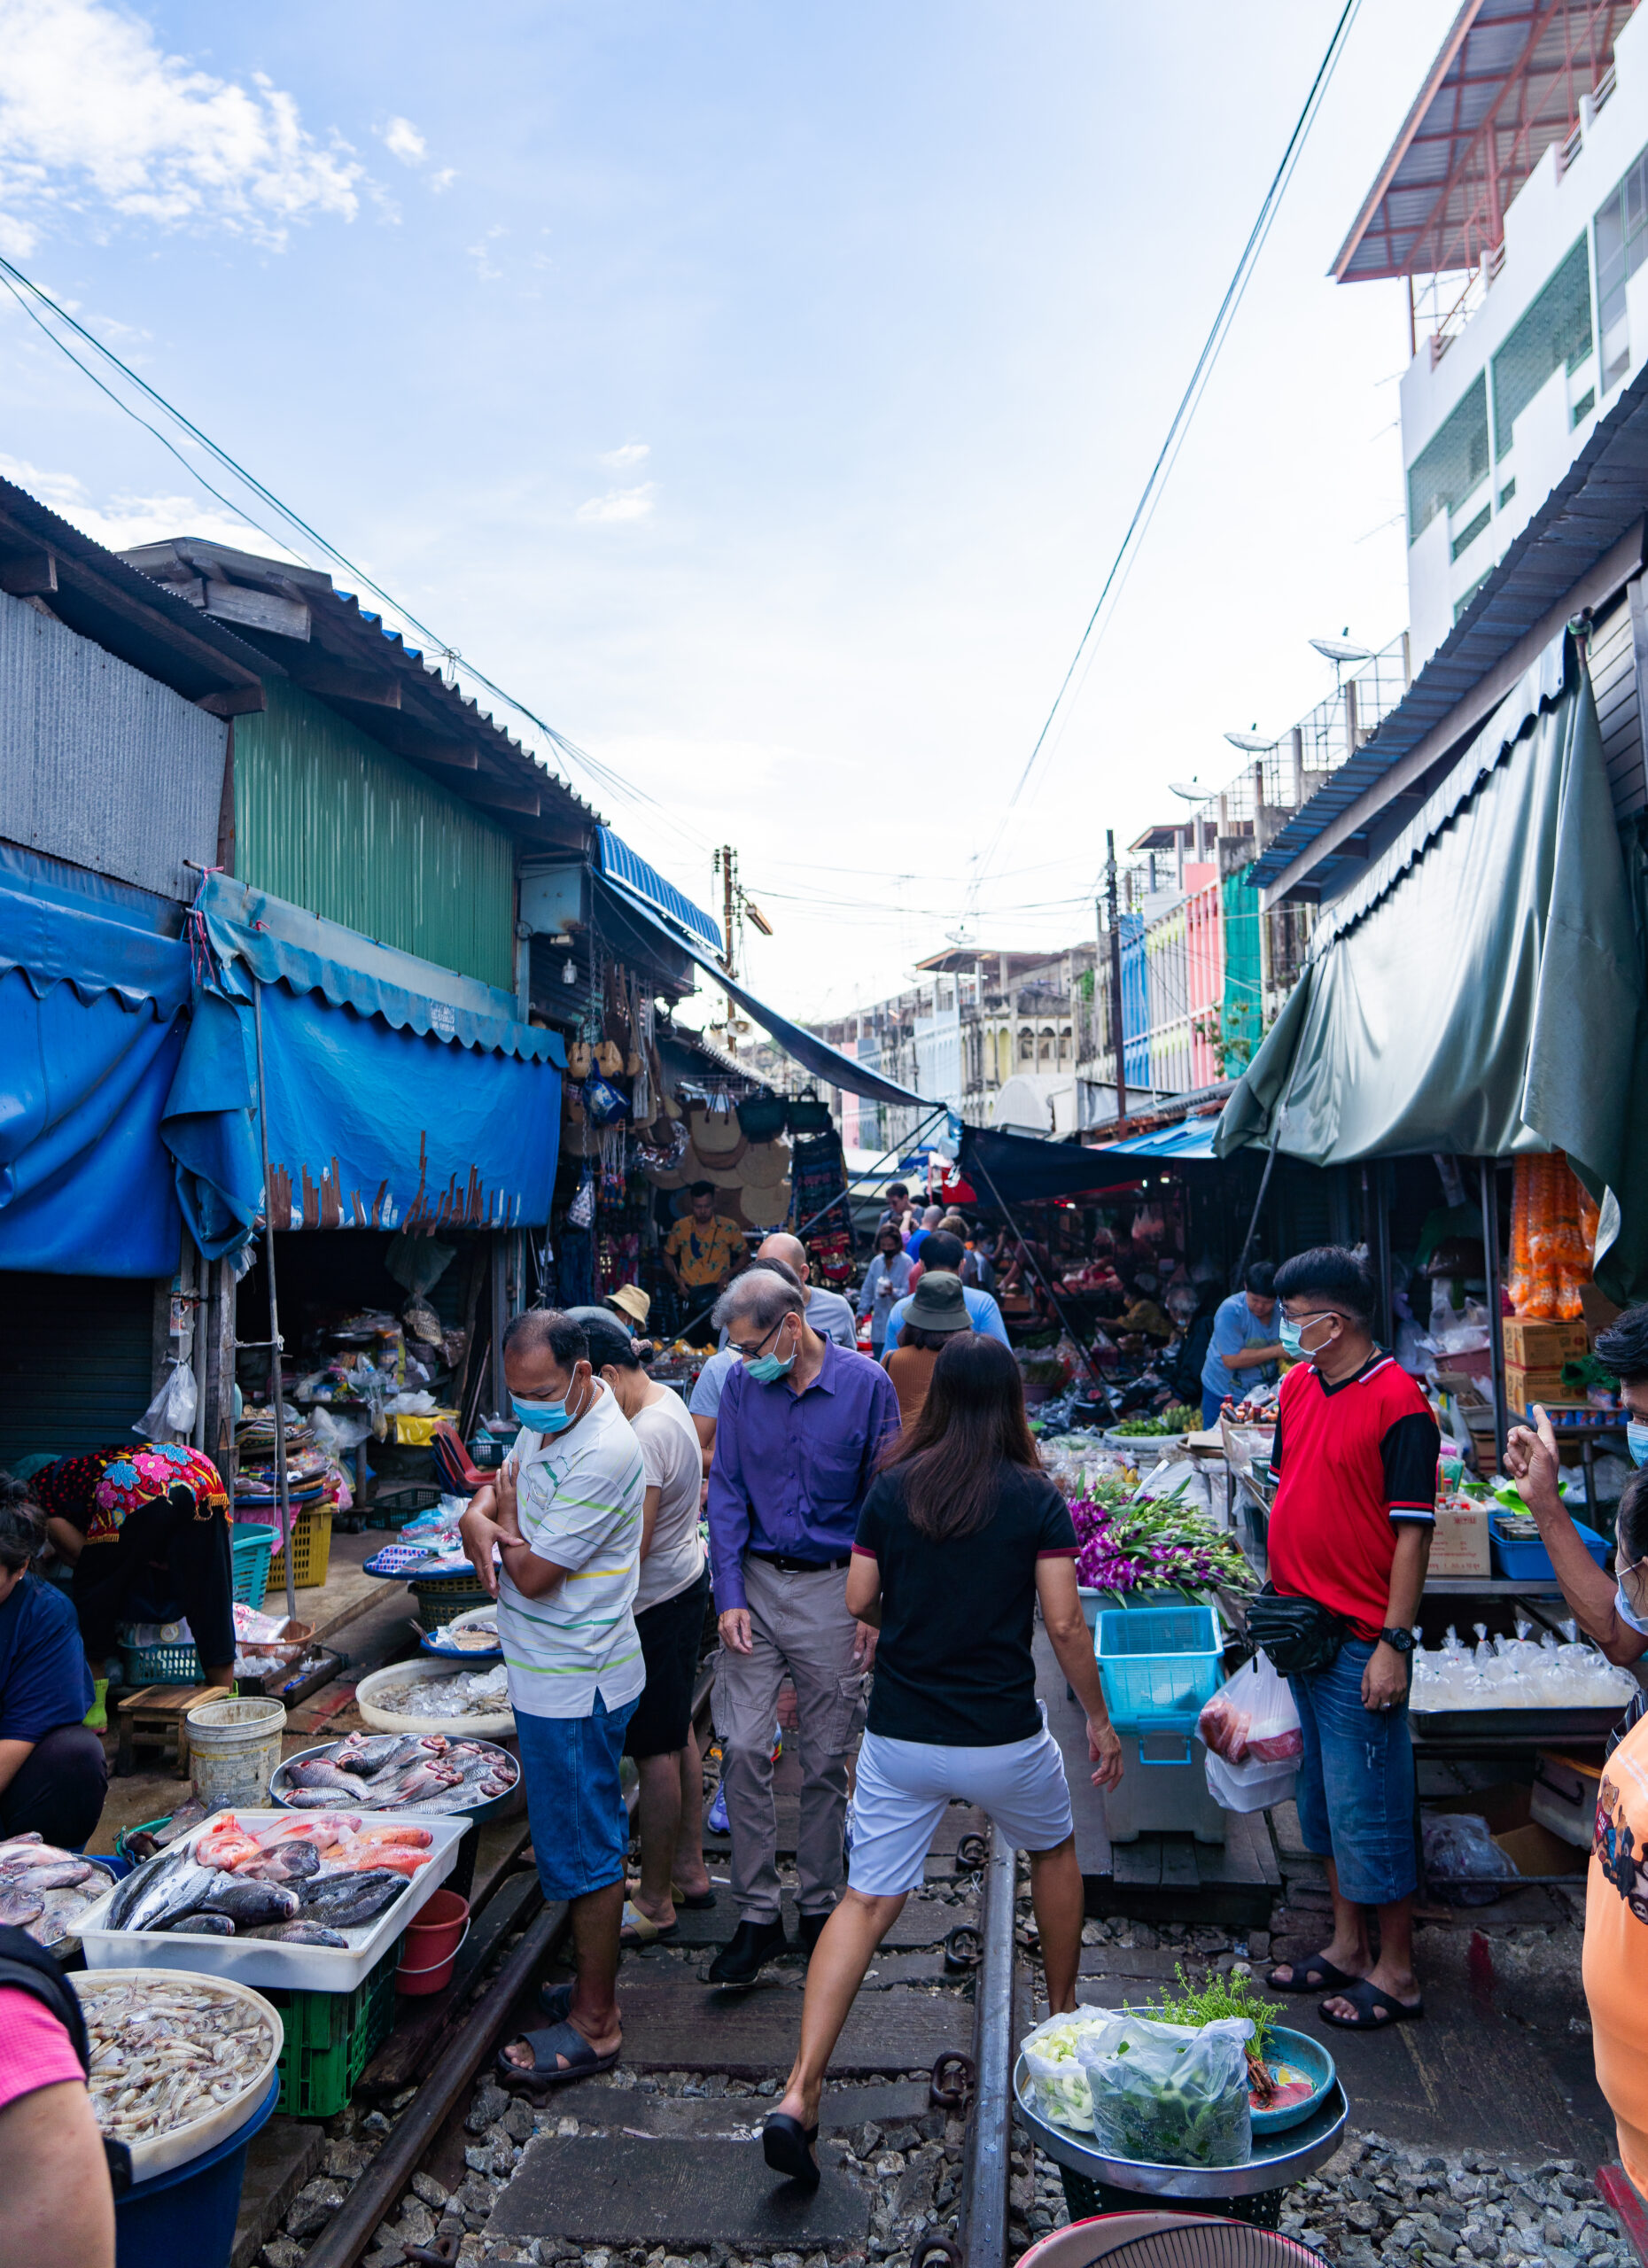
x=1248 y=1786
x=1166 y=2095
x=1050 y=2056
x=173 y=1408
x=1252 y=1719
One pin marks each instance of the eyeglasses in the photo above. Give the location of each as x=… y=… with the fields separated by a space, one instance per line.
x=749 y=1353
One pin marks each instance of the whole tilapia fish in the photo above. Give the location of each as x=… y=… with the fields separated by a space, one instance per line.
x=178 y=1886
x=342 y=1901
x=19 y=1908
x=366 y=1754
x=291 y=1862
x=202 y=1925
x=247 y=1902
x=299 y=1933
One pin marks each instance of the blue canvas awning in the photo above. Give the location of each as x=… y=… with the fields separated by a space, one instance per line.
x=401 y=1094
x=1191 y=1139
x=814 y=1054
x=93 y=1006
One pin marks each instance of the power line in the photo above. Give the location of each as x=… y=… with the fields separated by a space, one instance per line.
x=1191 y=397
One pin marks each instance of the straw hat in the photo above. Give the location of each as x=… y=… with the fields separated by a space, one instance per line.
x=630 y=1300
x=936 y=1303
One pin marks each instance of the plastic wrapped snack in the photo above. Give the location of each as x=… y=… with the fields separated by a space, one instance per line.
x=1051 y=2058
x=1163 y=2094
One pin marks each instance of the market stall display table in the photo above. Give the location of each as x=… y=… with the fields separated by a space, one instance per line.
x=1251 y=2192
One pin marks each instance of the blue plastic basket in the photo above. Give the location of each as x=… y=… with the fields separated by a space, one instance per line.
x=190 y=2213
x=1530 y=1562
x=1159 y=1663
x=250 y=1549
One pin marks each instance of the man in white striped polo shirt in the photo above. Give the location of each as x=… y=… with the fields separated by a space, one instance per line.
x=566 y=1515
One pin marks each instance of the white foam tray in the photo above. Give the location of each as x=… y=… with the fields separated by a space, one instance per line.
x=264 y=1961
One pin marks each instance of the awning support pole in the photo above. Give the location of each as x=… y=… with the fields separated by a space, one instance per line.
x=1495 y=1327
x=277 y=1390
x=940 y=1110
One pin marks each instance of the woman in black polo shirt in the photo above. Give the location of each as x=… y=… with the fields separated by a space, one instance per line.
x=958 y=1537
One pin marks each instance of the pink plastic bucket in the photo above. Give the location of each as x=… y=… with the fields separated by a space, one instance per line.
x=431 y=1943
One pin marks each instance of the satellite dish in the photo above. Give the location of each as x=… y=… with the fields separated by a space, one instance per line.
x=1340 y=649
x=1254 y=743
x=1189 y=789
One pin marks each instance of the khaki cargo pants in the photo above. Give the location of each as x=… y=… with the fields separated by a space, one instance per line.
x=799 y=1625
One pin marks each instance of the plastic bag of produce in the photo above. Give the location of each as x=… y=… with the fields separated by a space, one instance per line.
x=1248 y=1786
x=1050 y=2057
x=1460 y=1851
x=1252 y=1718
x=1163 y=2095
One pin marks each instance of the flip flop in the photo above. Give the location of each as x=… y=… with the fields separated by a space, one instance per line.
x=787 y=2146
x=700 y=1901
x=543 y=2072
x=639 y=1929
x=1316 y=1975
x=1376 y=2010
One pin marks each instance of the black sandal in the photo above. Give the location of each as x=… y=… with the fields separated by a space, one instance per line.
x=582 y=2061
x=1316 y=1975
x=1376 y=2009
x=788 y=2146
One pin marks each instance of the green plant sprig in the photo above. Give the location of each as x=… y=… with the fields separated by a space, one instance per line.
x=1230 y=1995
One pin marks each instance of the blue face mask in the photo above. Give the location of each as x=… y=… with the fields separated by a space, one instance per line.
x=1290 y=1337
x=1636 y=1440
x=767 y=1368
x=542 y=1416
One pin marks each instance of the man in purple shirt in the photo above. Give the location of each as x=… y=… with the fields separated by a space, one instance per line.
x=801 y=1425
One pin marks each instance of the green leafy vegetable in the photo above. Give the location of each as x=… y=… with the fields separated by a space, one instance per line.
x=1232 y=1995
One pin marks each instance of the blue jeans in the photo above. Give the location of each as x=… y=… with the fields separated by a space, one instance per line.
x=1356 y=1781
x=574 y=1797
x=1211 y=1405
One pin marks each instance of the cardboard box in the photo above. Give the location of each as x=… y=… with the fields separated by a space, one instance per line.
x=1524 y=1387
x=1459 y=1546
x=1543 y=1346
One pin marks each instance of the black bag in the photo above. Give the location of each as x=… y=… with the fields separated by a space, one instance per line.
x=1299 y=1635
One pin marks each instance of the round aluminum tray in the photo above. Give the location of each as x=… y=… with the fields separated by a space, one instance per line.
x=471 y=1814
x=1278 y=2160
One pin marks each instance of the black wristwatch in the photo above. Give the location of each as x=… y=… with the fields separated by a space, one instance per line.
x=1401 y=1641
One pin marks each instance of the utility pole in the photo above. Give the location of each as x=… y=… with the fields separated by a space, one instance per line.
x=1117 y=1029
x=729 y=886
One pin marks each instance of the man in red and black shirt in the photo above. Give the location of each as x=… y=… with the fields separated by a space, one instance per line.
x=1355 y=1464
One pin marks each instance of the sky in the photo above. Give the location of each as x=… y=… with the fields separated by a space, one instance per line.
x=757 y=394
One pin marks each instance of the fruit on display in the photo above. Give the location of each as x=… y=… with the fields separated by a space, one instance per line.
x=1553 y=1226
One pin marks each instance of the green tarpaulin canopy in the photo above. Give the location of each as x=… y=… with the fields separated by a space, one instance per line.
x=1478 y=991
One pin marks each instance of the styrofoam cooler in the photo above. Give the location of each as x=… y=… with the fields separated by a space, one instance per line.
x=1163 y=1789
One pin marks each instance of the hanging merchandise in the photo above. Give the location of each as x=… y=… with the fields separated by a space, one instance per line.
x=580 y=1060
x=603 y=1103
x=1552 y=1229
x=581 y=1211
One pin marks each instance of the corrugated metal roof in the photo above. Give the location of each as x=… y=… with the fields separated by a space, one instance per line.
x=1603 y=495
x=1506 y=83
x=620 y=864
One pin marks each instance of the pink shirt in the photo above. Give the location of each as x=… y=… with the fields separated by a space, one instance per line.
x=34 y=2050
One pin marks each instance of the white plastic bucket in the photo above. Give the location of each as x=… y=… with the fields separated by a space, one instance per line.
x=233 y=1749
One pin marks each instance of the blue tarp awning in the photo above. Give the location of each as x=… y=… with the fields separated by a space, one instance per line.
x=814 y=1054
x=400 y=1095
x=620 y=864
x=93 y=1007
x=1191 y=1138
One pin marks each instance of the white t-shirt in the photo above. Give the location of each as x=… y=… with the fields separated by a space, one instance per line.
x=582 y=1495
x=706 y=1394
x=675 y=1467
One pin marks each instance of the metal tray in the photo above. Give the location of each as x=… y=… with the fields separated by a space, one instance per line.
x=264 y=1961
x=1278 y=2160
x=489 y=1809
x=1535 y=1726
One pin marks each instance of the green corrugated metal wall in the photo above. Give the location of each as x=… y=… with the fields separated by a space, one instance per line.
x=1240 y=1012
x=329 y=820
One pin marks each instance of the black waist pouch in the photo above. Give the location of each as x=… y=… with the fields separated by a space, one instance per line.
x=1299 y=1635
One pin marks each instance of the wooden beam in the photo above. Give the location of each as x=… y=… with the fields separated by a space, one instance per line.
x=257 y=609
x=502 y=795
x=239 y=701
x=336 y=681
x=32 y=578
x=409 y=740
x=153 y=616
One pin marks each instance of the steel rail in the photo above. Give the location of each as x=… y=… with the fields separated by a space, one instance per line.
x=988 y=2168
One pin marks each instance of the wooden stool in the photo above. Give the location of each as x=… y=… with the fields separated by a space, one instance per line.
x=155 y=1716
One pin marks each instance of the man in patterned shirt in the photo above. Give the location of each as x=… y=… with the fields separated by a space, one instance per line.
x=566 y=1516
x=703 y=1249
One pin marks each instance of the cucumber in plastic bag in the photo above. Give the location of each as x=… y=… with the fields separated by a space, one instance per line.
x=1163 y=2094
x=1051 y=2058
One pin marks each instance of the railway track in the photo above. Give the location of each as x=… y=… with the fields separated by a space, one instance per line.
x=656 y=2162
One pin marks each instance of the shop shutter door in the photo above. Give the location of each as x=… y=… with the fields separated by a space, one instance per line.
x=74 y=1362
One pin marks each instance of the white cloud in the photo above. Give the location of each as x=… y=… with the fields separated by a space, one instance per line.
x=632 y=453
x=481 y=255
x=402 y=140
x=441 y=182
x=93 y=113
x=124 y=519
x=618 y=504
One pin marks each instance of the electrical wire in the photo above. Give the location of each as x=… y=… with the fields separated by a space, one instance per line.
x=1189 y=401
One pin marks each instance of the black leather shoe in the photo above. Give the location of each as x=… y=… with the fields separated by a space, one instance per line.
x=811 y=1928
x=752 y=1945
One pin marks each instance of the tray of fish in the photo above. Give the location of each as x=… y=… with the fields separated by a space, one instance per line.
x=179 y=2063
x=47 y=1892
x=416 y=1775
x=426 y=1697
x=306 y=1899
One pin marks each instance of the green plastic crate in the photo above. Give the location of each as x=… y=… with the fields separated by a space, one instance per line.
x=331 y=2037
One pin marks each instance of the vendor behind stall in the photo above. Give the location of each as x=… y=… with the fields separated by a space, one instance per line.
x=53 y=1772
x=1242 y=1348
x=146 y=1530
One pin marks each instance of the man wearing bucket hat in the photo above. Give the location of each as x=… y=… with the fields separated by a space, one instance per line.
x=935 y=1311
x=632 y=1303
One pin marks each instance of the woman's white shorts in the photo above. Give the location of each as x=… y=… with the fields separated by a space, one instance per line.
x=904 y=1787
